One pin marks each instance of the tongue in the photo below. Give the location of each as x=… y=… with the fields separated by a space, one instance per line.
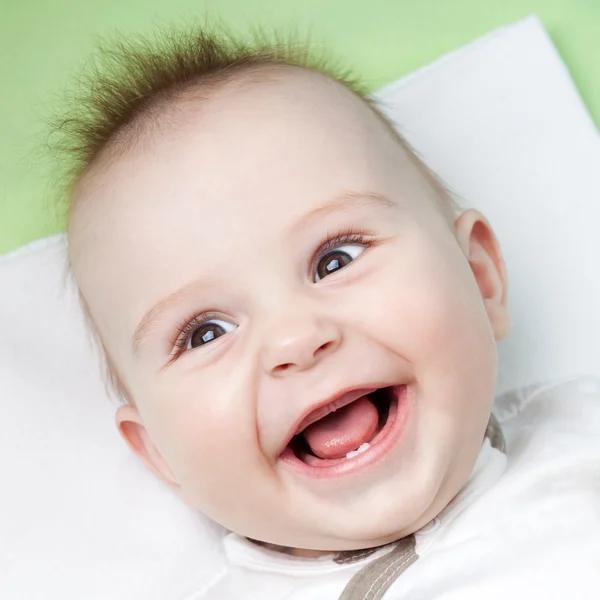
x=343 y=430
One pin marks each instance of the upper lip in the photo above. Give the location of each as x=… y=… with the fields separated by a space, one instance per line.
x=322 y=408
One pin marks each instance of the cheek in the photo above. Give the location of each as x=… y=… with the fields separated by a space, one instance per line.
x=208 y=439
x=427 y=307
x=206 y=436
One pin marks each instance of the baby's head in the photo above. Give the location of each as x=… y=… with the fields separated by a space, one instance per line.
x=256 y=248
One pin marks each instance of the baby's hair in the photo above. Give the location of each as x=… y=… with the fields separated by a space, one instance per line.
x=139 y=82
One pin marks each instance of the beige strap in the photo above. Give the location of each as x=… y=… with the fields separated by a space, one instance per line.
x=495 y=434
x=373 y=580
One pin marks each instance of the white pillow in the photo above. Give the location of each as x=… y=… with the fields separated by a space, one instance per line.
x=499 y=120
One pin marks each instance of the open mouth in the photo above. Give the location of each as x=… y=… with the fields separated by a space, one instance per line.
x=353 y=433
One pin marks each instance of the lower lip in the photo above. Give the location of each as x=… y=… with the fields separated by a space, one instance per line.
x=379 y=446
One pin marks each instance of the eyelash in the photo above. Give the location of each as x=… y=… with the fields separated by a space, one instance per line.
x=185 y=328
x=345 y=236
x=188 y=325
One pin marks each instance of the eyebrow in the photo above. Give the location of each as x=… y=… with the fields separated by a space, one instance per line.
x=347 y=201
x=341 y=203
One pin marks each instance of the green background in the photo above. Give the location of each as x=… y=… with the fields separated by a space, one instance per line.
x=43 y=43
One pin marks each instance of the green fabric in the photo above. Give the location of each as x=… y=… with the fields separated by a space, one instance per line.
x=44 y=42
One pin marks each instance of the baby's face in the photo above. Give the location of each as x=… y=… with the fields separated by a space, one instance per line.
x=259 y=258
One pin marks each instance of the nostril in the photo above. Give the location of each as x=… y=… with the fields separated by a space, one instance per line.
x=322 y=348
x=304 y=360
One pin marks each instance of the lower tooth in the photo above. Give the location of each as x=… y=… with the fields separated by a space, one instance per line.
x=360 y=449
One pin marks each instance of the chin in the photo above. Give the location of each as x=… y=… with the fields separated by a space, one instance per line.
x=389 y=513
x=367 y=533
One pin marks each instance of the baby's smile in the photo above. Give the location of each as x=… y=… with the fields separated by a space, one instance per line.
x=308 y=340
x=349 y=433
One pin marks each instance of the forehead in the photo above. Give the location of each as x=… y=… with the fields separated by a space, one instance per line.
x=233 y=173
x=257 y=131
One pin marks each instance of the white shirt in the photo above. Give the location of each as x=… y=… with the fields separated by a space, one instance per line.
x=526 y=524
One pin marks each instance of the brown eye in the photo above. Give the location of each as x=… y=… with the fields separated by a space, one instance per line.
x=337 y=259
x=207 y=332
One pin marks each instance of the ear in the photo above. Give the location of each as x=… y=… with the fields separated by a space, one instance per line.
x=482 y=250
x=130 y=426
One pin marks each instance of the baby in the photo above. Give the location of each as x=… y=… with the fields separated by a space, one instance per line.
x=302 y=326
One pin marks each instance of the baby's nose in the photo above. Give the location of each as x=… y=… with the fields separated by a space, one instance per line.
x=298 y=345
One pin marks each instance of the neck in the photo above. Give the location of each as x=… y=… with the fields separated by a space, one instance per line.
x=301 y=552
